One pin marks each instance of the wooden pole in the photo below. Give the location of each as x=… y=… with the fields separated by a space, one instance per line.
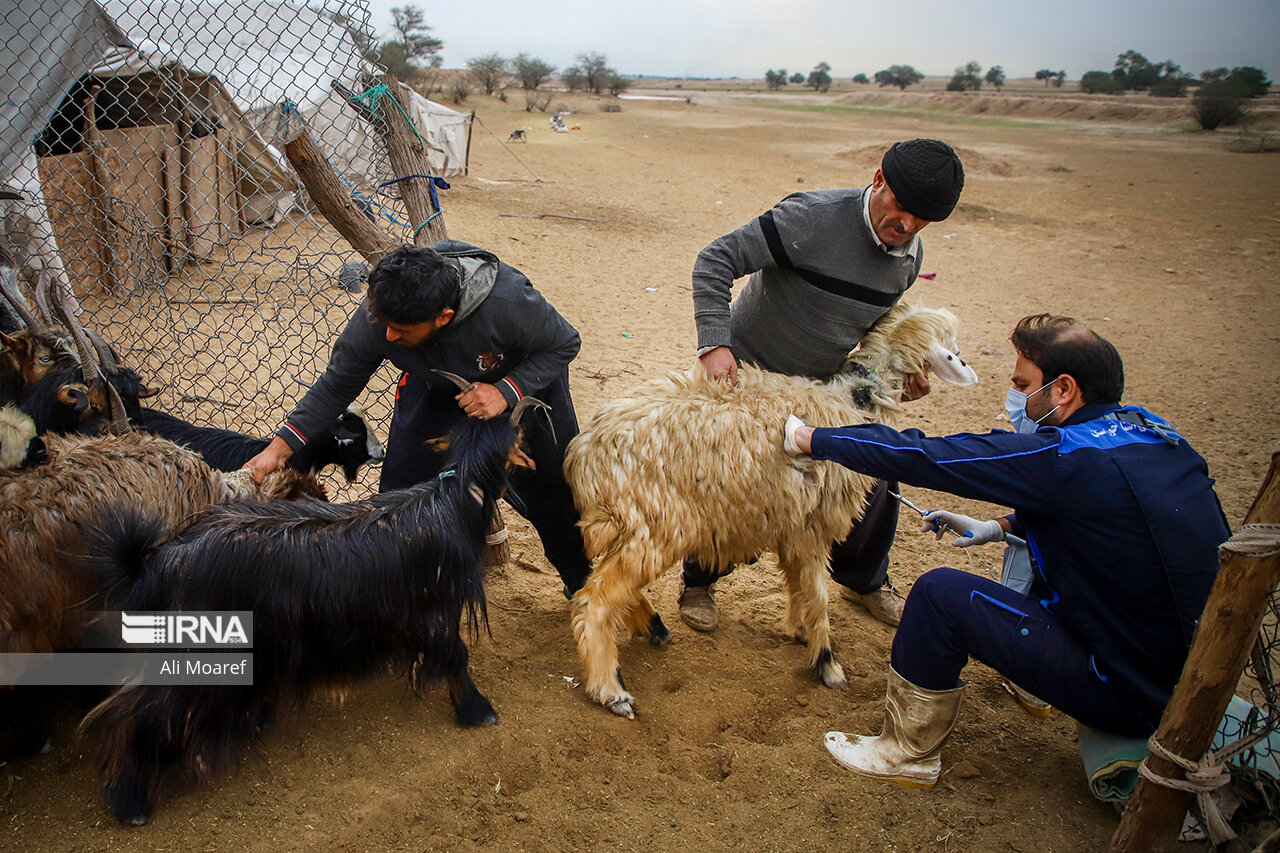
x=334 y=201
x=100 y=192
x=466 y=158
x=408 y=155
x=1223 y=641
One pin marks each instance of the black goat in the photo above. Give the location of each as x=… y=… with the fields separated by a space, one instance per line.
x=351 y=590
x=349 y=444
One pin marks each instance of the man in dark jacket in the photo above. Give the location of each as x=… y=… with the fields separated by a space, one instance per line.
x=1123 y=526
x=457 y=308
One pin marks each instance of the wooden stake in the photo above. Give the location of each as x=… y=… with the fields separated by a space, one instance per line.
x=408 y=156
x=334 y=201
x=1223 y=641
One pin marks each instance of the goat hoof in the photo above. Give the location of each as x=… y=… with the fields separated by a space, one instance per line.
x=832 y=675
x=476 y=713
x=659 y=633
x=623 y=706
x=140 y=820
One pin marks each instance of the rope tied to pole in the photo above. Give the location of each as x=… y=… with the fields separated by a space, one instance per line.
x=1203 y=778
x=374 y=94
x=1253 y=540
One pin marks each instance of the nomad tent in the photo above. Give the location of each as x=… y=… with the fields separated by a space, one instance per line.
x=187 y=98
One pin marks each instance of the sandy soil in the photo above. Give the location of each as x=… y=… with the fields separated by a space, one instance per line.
x=1161 y=239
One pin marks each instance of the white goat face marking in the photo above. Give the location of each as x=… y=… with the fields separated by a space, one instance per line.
x=950 y=367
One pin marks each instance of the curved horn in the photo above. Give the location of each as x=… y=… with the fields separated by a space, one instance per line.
x=89 y=364
x=42 y=296
x=105 y=356
x=464 y=384
x=9 y=284
x=523 y=405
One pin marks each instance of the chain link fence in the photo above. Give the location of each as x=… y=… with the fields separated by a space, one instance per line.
x=144 y=137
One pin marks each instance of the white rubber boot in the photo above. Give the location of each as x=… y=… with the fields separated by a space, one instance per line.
x=908 y=749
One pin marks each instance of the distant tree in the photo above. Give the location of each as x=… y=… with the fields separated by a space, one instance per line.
x=1241 y=82
x=1171 y=85
x=775 y=80
x=820 y=77
x=968 y=78
x=595 y=71
x=1045 y=74
x=489 y=71
x=797 y=78
x=901 y=76
x=1215 y=104
x=409 y=22
x=861 y=78
x=573 y=78
x=1059 y=79
x=617 y=83
x=394 y=56
x=1100 y=82
x=460 y=88
x=1134 y=71
x=530 y=71
x=995 y=76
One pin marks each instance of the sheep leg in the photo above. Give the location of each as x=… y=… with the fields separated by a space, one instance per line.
x=807 y=611
x=598 y=610
x=643 y=621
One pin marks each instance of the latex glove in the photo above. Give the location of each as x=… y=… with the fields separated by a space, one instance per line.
x=970 y=530
x=789 y=435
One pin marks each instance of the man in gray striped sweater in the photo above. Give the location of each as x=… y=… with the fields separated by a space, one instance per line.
x=823 y=266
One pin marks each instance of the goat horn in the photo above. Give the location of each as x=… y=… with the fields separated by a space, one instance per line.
x=9 y=284
x=524 y=403
x=89 y=365
x=42 y=300
x=105 y=357
x=464 y=384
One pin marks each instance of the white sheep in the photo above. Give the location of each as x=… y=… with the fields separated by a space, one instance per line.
x=684 y=465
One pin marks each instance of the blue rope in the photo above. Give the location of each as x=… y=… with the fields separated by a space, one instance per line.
x=373 y=95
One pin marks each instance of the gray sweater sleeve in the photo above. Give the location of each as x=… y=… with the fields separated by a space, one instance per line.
x=356 y=356
x=738 y=253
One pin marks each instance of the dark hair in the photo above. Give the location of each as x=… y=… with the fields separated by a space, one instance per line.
x=1058 y=346
x=413 y=284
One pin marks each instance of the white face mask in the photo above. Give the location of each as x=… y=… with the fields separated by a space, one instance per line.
x=1015 y=406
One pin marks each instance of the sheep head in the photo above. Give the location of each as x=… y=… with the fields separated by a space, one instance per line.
x=905 y=340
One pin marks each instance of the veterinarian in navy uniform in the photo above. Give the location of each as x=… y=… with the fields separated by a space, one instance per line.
x=824 y=267
x=457 y=308
x=1123 y=525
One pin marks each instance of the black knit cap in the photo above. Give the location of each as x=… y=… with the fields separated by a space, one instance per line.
x=925 y=175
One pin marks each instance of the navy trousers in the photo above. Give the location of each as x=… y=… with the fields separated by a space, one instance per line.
x=860 y=562
x=542 y=496
x=952 y=615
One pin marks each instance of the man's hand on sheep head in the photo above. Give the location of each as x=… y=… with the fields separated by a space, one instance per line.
x=916 y=385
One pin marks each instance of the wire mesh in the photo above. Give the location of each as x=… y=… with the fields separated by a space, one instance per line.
x=154 y=188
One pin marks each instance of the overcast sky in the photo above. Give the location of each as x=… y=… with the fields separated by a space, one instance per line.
x=725 y=38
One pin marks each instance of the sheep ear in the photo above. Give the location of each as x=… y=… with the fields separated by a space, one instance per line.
x=950 y=367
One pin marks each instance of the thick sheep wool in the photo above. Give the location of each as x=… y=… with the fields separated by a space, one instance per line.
x=925 y=175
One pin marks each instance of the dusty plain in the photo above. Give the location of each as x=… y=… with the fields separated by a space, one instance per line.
x=1161 y=238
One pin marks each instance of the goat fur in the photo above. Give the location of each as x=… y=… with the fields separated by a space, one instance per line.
x=354 y=590
x=685 y=465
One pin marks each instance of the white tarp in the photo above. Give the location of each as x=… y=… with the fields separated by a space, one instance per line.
x=269 y=53
x=44 y=48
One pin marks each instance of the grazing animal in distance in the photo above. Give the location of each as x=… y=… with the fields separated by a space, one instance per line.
x=353 y=590
x=685 y=465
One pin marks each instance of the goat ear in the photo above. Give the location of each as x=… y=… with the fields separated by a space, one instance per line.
x=441 y=444
x=950 y=367
x=148 y=391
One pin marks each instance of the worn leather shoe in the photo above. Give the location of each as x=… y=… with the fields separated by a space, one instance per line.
x=884 y=603
x=698 y=608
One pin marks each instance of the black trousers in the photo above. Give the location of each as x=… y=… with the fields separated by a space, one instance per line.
x=542 y=496
x=860 y=562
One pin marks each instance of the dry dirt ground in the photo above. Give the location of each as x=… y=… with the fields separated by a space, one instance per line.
x=1160 y=238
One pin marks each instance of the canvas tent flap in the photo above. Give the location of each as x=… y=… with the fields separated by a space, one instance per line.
x=44 y=48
